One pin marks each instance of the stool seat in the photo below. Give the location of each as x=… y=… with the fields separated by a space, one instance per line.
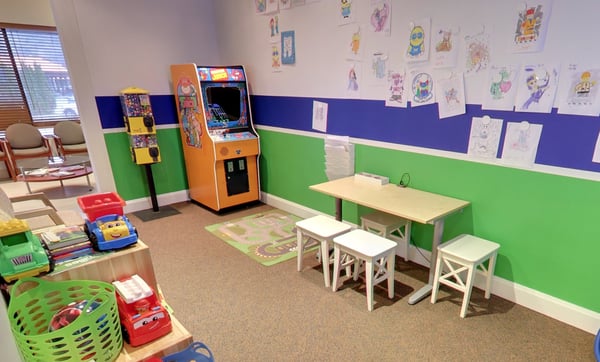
x=322 y=229
x=377 y=252
x=464 y=253
x=389 y=226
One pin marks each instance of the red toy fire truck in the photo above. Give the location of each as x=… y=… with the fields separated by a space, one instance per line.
x=143 y=318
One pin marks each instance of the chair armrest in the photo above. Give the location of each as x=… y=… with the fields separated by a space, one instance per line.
x=46 y=211
x=39 y=196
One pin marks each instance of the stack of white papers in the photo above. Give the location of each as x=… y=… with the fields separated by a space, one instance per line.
x=339 y=157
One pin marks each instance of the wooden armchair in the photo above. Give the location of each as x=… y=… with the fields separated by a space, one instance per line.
x=36 y=208
x=23 y=141
x=69 y=138
x=4 y=157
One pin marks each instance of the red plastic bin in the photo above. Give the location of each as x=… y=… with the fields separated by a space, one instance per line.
x=101 y=204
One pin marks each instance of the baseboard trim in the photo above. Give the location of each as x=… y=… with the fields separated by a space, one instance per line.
x=162 y=199
x=545 y=304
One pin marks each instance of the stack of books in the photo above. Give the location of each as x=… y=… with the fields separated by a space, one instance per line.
x=66 y=242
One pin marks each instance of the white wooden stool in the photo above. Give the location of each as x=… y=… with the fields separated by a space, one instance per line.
x=377 y=252
x=464 y=252
x=322 y=229
x=389 y=226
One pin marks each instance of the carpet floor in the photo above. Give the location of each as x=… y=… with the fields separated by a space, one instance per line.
x=245 y=311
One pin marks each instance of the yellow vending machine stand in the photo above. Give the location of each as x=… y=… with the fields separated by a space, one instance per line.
x=141 y=128
x=220 y=145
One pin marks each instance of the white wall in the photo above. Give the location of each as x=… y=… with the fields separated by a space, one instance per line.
x=321 y=44
x=111 y=45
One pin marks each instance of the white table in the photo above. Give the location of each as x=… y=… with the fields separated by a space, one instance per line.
x=416 y=205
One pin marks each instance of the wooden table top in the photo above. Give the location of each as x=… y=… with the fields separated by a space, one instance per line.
x=416 y=205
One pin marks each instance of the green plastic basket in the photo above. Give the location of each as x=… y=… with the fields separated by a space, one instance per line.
x=95 y=335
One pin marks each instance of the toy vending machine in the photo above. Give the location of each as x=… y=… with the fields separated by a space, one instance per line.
x=139 y=124
x=220 y=144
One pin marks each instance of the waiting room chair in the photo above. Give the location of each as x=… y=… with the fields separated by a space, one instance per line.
x=30 y=206
x=4 y=157
x=23 y=141
x=69 y=138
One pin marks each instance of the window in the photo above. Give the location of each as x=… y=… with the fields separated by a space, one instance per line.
x=36 y=87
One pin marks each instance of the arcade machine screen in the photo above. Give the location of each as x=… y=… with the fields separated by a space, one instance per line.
x=225 y=98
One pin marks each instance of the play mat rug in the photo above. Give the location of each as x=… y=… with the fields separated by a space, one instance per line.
x=268 y=237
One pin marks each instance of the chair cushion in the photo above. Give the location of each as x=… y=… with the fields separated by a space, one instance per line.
x=69 y=132
x=23 y=135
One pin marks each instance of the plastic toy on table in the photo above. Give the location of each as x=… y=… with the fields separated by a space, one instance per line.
x=143 y=318
x=106 y=225
x=21 y=253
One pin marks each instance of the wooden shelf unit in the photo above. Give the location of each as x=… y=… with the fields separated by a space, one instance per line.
x=118 y=264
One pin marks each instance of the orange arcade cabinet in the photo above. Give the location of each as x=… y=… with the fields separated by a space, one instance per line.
x=220 y=144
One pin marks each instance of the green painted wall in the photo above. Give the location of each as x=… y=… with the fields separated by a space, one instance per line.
x=546 y=224
x=131 y=182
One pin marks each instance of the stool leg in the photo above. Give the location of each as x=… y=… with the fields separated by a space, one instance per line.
x=369 y=278
x=391 y=267
x=325 y=261
x=468 y=290
x=299 y=248
x=490 y=275
x=337 y=260
x=436 y=278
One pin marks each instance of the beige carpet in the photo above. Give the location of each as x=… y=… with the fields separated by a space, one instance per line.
x=248 y=312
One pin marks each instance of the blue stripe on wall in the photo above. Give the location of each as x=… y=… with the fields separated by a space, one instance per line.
x=567 y=141
x=111 y=115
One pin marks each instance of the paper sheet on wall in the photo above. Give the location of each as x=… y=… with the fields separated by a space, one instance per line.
x=521 y=143
x=578 y=90
x=319 y=121
x=484 y=139
x=397 y=94
x=501 y=88
x=451 y=96
x=421 y=87
x=532 y=25
x=444 y=46
x=596 y=157
x=537 y=87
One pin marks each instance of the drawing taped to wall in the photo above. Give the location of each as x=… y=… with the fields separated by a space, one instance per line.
x=285 y=4
x=378 y=69
x=354 y=43
x=477 y=48
x=397 y=90
x=501 y=88
x=484 y=138
x=422 y=91
x=444 y=46
x=380 y=17
x=272 y=6
x=273 y=25
x=578 y=93
x=451 y=95
x=275 y=58
x=418 y=41
x=521 y=143
x=346 y=13
x=537 y=88
x=532 y=25
x=288 y=47
x=353 y=79
x=260 y=6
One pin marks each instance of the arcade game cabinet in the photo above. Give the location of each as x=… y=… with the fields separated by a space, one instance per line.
x=220 y=144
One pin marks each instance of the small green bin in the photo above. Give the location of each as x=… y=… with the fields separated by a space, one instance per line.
x=95 y=335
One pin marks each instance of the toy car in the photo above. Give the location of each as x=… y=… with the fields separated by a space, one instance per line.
x=143 y=318
x=111 y=232
x=21 y=253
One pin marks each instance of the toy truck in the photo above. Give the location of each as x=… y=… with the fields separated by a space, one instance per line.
x=21 y=253
x=143 y=317
x=106 y=225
